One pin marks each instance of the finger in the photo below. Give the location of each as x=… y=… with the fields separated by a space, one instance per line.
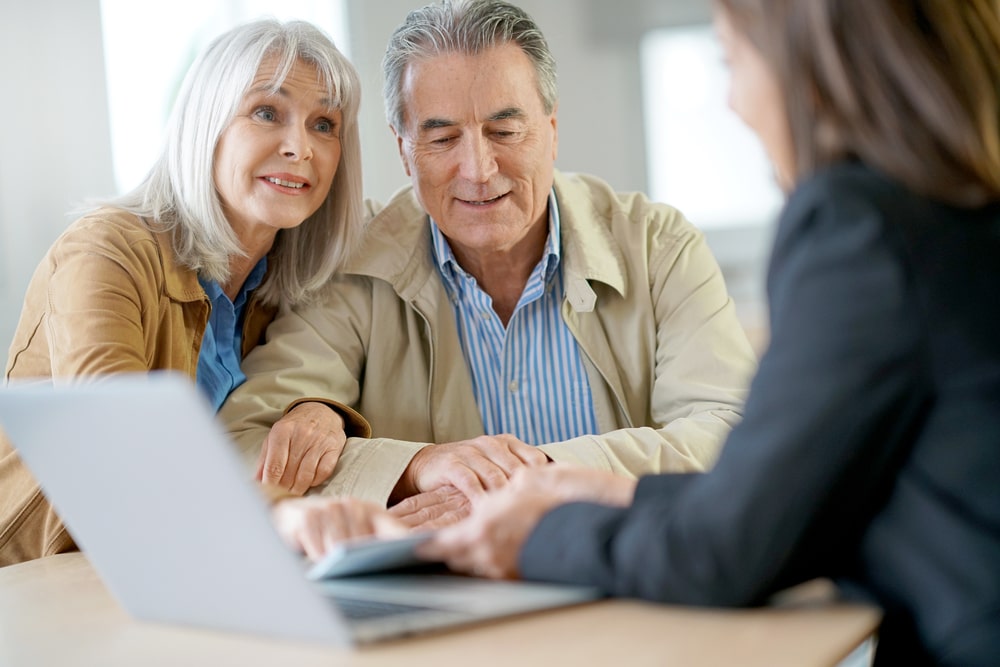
x=433 y=509
x=305 y=472
x=313 y=536
x=490 y=475
x=260 y=461
x=419 y=501
x=444 y=518
x=359 y=517
x=385 y=525
x=293 y=461
x=527 y=454
x=324 y=469
x=275 y=460
x=469 y=482
x=499 y=452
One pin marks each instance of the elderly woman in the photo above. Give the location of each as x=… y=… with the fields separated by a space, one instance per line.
x=255 y=202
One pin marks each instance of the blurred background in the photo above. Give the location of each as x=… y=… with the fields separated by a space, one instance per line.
x=87 y=87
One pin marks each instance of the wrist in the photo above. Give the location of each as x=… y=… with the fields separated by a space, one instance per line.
x=274 y=494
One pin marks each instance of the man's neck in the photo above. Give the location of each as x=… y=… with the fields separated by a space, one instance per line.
x=504 y=274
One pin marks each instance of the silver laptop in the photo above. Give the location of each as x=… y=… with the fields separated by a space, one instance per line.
x=151 y=489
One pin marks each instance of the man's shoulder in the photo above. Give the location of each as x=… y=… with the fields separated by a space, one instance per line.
x=402 y=204
x=394 y=247
x=585 y=199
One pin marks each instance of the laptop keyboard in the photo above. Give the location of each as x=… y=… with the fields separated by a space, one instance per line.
x=363 y=609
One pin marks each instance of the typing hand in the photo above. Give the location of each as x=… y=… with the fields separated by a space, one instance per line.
x=472 y=466
x=315 y=524
x=302 y=448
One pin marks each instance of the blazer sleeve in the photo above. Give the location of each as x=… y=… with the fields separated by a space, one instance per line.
x=824 y=429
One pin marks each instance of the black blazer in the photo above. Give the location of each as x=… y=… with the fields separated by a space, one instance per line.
x=870 y=447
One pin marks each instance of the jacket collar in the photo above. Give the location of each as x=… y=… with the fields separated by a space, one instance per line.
x=180 y=283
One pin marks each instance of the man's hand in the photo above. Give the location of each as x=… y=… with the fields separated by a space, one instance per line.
x=302 y=448
x=472 y=466
x=489 y=542
x=315 y=524
x=432 y=509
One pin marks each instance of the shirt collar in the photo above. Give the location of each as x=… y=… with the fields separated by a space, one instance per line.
x=253 y=281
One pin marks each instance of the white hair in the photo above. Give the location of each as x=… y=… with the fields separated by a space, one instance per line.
x=179 y=193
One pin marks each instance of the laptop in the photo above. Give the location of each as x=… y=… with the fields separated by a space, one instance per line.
x=155 y=494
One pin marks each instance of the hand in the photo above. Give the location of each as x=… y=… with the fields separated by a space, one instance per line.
x=472 y=466
x=302 y=448
x=489 y=542
x=315 y=524
x=432 y=509
x=572 y=483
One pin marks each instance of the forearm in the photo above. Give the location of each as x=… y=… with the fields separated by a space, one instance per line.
x=370 y=468
x=29 y=527
x=685 y=445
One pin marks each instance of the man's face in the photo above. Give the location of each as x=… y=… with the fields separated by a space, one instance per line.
x=479 y=147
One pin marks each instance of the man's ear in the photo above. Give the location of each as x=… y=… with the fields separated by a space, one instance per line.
x=402 y=152
x=555 y=132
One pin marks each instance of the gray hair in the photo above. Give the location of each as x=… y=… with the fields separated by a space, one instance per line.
x=179 y=193
x=468 y=27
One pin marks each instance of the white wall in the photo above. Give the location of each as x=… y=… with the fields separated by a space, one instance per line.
x=54 y=138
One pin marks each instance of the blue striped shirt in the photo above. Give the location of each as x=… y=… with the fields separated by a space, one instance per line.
x=221 y=353
x=528 y=378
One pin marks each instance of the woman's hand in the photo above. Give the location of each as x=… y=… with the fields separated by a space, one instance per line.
x=302 y=448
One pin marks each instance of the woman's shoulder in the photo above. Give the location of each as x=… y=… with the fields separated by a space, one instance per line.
x=110 y=231
x=848 y=184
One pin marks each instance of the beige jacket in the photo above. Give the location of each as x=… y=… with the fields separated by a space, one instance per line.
x=667 y=359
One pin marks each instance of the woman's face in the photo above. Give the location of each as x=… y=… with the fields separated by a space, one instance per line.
x=755 y=96
x=275 y=162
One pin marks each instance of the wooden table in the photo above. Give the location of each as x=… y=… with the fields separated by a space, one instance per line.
x=55 y=611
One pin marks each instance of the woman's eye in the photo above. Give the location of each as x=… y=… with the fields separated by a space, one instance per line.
x=324 y=125
x=266 y=113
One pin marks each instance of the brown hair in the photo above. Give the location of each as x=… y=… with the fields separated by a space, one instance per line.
x=910 y=87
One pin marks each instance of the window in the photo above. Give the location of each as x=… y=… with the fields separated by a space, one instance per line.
x=148 y=48
x=702 y=159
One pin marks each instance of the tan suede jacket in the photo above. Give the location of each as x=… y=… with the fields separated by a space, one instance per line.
x=667 y=360
x=109 y=297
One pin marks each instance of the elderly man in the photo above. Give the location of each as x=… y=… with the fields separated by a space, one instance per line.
x=499 y=313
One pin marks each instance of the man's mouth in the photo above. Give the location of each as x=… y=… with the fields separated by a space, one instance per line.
x=483 y=202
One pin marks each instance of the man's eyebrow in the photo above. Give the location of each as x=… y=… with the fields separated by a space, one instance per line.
x=436 y=124
x=507 y=114
x=503 y=114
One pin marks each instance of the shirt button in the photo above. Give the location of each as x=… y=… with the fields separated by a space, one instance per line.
x=485 y=314
x=512 y=386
